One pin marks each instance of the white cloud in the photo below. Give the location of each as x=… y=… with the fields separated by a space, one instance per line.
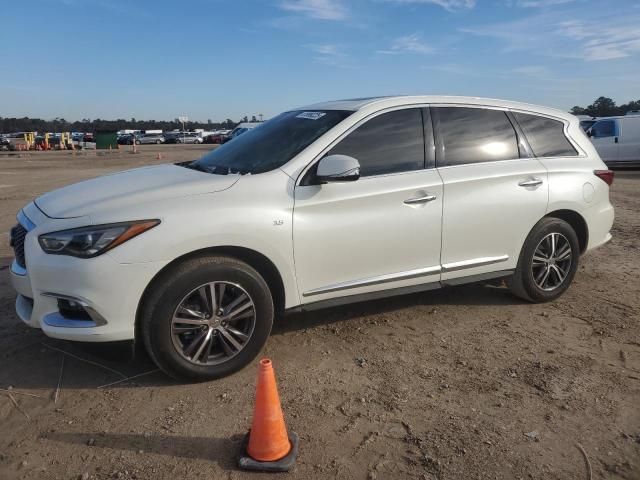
x=541 y=3
x=605 y=41
x=531 y=71
x=446 y=4
x=549 y=35
x=409 y=44
x=318 y=9
x=329 y=54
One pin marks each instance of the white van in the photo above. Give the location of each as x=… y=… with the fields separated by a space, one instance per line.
x=617 y=140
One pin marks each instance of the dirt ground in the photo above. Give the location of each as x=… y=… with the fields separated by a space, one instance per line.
x=461 y=383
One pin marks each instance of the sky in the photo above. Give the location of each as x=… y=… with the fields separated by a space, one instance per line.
x=217 y=59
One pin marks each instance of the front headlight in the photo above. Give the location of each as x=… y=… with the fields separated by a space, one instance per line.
x=92 y=241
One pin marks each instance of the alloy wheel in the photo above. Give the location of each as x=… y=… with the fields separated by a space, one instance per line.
x=551 y=261
x=213 y=323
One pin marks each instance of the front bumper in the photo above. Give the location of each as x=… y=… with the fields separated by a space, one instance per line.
x=109 y=291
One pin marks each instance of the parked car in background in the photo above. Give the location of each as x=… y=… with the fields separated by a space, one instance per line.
x=379 y=196
x=633 y=112
x=184 y=137
x=126 y=139
x=240 y=129
x=216 y=137
x=5 y=144
x=587 y=123
x=617 y=140
x=147 y=138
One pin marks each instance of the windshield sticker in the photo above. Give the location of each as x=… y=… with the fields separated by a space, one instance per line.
x=311 y=115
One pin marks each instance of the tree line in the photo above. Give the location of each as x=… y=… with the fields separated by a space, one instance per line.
x=26 y=124
x=601 y=107
x=606 y=107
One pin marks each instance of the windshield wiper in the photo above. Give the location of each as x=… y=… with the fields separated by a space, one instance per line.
x=214 y=169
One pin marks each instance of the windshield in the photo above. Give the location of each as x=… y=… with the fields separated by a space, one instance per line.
x=270 y=145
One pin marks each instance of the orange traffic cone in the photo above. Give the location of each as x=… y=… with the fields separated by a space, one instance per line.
x=268 y=446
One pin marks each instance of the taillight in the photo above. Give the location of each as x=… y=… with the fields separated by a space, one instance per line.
x=605 y=175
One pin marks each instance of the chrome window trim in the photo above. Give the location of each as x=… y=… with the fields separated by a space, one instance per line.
x=363 y=282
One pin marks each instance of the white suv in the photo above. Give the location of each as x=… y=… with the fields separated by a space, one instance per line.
x=323 y=205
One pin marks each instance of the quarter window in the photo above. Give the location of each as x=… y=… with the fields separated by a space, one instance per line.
x=474 y=135
x=546 y=136
x=604 y=128
x=389 y=143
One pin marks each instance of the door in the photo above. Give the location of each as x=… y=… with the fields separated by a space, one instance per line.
x=381 y=231
x=492 y=196
x=629 y=144
x=605 y=137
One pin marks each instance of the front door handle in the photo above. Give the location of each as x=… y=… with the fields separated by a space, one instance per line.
x=533 y=182
x=422 y=199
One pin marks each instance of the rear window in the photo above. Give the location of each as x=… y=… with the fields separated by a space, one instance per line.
x=546 y=136
x=603 y=129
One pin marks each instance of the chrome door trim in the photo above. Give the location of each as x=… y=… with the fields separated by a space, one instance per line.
x=532 y=182
x=418 y=200
x=474 y=262
x=391 y=277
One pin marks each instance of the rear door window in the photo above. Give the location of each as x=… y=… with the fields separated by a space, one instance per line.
x=473 y=135
x=545 y=135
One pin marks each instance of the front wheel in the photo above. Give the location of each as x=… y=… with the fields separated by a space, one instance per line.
x=548 y=261
x=207 y=318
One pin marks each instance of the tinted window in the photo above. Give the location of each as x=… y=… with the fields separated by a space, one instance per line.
x=389 y=143
x=604 y=128
x=546 y=136
x=272 y=144
x=473 y=135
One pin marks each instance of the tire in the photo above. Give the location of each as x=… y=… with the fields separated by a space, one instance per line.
x=158 y=142
x=540 y=279
x=161 y=318
x=138 y=142
x=178 y=141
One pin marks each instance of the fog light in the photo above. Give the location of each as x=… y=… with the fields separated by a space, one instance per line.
x=72 y=310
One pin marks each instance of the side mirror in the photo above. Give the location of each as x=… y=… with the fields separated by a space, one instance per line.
x=338 y=168
x=589 y=133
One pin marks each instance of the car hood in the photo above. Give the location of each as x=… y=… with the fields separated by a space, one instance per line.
x=131 y=187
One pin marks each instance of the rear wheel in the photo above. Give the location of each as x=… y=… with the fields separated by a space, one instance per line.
x=548 y=261
x=207 y=318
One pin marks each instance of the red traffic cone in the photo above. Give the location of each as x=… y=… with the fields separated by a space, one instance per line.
x=268 y=446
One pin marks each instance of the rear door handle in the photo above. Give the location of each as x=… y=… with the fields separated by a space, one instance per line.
x=422 y=199
x=533 y=182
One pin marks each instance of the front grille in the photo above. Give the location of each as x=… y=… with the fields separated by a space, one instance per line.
x=17 y=242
